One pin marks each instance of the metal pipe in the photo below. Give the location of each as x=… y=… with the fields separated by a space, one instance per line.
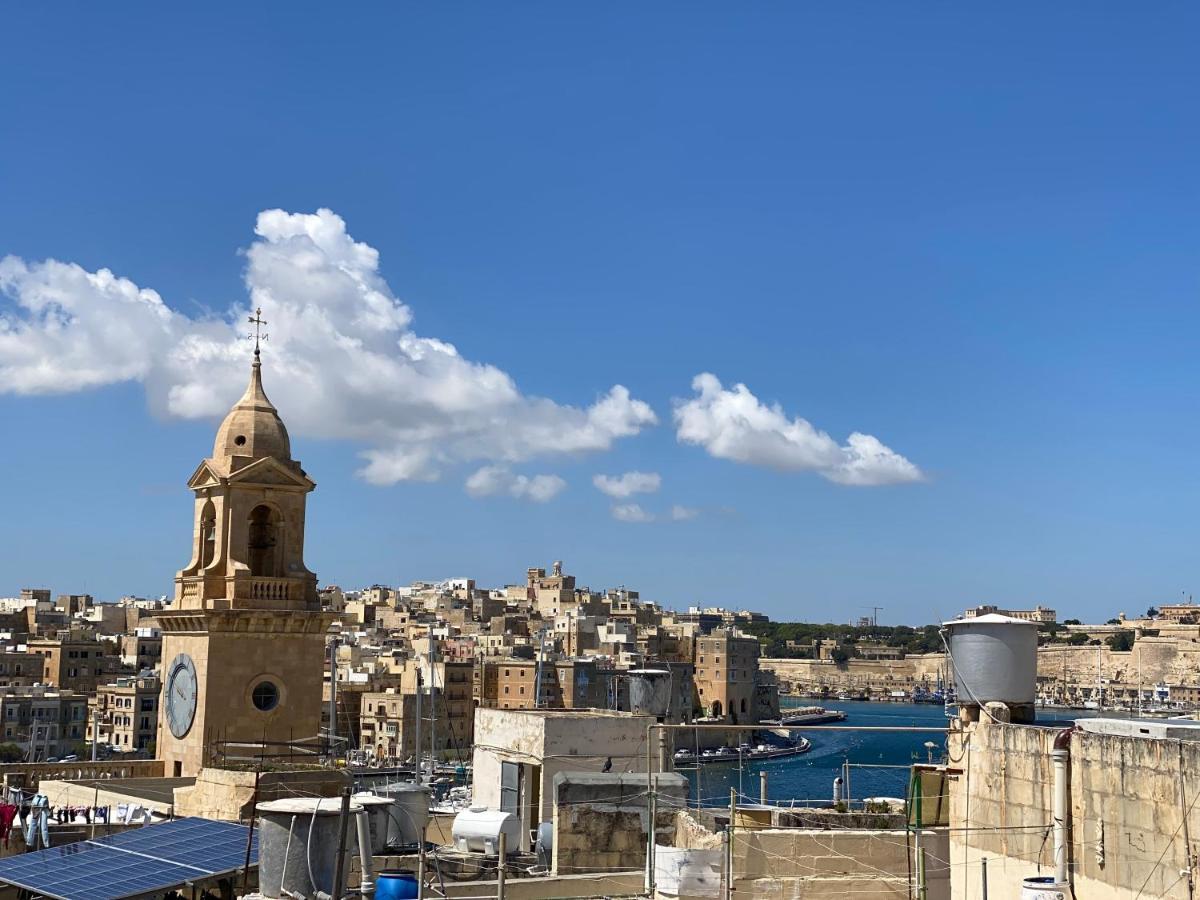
x=1060 y=757
x=1184 y=808
x=651 y=836
x=417 y=771
x=333 y=648
x=421 y=863
x=343 y=822
x=983 y=877
x=500 y=863
x=732 y=816
x=762 y=786
x=366 y=884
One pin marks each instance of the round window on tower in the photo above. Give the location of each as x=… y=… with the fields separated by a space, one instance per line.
x=240 y=440
x=265 y=696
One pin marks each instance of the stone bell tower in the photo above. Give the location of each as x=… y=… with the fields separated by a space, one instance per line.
x=244 y=641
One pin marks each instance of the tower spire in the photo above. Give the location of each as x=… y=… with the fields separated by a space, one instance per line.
x=257 y=321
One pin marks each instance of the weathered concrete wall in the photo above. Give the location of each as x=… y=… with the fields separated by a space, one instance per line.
x=1127 y=801
x=601 y=821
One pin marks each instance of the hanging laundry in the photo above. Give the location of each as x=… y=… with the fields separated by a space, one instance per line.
x=8 y=812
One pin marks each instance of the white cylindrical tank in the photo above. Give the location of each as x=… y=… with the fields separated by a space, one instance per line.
x=649 y=692
x=377 y=818
x=1044 y=887
x=477 y=830
x=409 y=813
x=994 y=659
x=297 y=843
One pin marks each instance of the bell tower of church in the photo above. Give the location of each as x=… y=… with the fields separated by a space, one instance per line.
x=244 y=641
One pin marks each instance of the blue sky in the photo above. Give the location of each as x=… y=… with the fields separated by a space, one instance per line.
x=968 y=233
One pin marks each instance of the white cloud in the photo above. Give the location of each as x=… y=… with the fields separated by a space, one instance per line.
x=492 y=480
x=631 y=512
x=733 y=424
x=683 y=513
x=621 y=486
x=341 y=362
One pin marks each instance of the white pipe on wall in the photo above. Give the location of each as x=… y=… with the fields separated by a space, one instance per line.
x=367 y=882
x=1060 y=758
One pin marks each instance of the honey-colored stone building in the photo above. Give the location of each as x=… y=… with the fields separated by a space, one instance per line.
x=244 y=642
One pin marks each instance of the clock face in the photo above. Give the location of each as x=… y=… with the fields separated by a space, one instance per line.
x=181 y=688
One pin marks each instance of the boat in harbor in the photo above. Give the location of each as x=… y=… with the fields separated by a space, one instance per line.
x=807 y=715
x=744 y=752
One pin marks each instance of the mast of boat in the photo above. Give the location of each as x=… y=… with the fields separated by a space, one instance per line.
x=417 y=726
x=1099 y=676
x=432 y=709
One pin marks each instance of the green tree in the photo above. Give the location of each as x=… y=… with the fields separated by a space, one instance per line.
x=10 y=753
x=1077 y=640
x=1122 y=640
x=1072 y=622
x=839 y=655
x=1152 y=612
x=1113 y=622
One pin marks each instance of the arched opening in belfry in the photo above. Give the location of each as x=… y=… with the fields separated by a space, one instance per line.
x=265 y=539
x=208 y=534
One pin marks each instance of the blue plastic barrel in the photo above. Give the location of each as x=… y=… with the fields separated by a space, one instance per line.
x=395 y=884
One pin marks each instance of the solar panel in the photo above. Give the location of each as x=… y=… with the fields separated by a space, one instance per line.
x=136 y=862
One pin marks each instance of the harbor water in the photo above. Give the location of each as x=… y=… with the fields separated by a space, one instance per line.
x=808 y=778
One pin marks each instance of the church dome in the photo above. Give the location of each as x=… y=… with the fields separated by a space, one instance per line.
x=252 y=429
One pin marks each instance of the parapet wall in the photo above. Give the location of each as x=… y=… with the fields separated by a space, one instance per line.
x=1127 y=799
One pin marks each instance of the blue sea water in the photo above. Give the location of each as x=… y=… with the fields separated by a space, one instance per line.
x=809 y=777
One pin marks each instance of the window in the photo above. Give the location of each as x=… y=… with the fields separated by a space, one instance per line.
x=265 y=696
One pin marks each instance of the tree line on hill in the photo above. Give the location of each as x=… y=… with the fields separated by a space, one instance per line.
x=775 y=638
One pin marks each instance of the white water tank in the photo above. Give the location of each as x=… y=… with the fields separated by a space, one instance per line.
x=994 y=659
x=649 y=692
x=377 y=818
x=478 y=829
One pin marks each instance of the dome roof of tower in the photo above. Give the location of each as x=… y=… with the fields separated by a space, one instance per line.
x=252 y=429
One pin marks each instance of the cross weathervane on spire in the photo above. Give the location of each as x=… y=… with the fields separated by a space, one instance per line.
x=257 y=321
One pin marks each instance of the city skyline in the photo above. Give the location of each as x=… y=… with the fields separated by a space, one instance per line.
x=800 y=332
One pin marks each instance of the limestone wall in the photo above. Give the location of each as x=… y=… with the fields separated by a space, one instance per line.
x=601 y=821
x=1127 y=818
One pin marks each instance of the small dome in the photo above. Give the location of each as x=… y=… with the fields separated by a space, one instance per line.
x=253 y=428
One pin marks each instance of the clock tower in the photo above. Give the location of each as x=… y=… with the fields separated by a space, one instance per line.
x=244 y=641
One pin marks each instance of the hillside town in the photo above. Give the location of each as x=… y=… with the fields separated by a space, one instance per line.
x=82 y=678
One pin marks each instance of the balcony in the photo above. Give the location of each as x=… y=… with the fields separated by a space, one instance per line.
x=270 y=589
